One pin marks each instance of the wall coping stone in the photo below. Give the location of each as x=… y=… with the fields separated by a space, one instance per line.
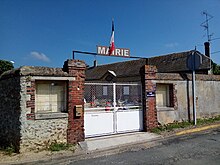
x=34 y=71
x=52 y=78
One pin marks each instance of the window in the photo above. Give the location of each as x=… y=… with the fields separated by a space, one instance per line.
x=164 y=95
x=50 y=96
x=105 y=91
x=126 y=90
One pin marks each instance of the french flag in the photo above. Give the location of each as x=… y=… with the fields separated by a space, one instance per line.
x=112 y=44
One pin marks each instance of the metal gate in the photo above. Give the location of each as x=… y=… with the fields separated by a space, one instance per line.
x=112 y=108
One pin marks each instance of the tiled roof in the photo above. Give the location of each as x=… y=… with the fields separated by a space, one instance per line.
x=171 y=63
x=177 y=62
x=121 y=69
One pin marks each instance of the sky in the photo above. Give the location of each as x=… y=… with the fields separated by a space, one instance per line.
x=45 y=32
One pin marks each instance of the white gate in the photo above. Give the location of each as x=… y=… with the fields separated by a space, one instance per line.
x=112 y=108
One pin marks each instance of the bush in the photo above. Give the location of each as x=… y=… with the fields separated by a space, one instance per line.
x=5 y=65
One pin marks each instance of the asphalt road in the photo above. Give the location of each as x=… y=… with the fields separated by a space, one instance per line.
x=197 y=149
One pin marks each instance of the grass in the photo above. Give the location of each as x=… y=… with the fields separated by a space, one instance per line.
x=184 y=124
x=8 y=150
x=171 y=127
x=59 y=146
x=208 y=120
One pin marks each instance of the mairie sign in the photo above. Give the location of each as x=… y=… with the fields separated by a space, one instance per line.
x=119 y=52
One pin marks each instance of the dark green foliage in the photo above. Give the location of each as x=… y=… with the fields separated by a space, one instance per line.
x=215 y=68
x=5 y=65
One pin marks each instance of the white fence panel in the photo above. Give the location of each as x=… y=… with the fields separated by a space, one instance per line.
x=98 y=123
x=129 y=120
x=112 y=108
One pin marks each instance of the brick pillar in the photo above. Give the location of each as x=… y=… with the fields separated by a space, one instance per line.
x=149 y=98
x=75 y=131
x=31 y=87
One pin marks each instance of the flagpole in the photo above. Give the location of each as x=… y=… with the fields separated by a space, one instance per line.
x=91 y=53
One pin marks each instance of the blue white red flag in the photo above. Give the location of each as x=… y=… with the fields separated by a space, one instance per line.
x=112 y=42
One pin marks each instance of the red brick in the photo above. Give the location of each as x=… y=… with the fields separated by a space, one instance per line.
x=150 y=112
x=75 y=132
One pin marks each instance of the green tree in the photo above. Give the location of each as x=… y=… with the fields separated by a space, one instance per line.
x=215 y=68
x=5 y=65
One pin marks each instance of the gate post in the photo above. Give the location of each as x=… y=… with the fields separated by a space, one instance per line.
x=76 y=69
x=149 y=97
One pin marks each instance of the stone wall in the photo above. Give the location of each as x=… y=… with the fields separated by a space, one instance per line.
x=10 y=112
x=207 y=97
x=37 y=133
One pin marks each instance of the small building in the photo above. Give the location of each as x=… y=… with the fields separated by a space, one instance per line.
x=146 y=92
x=41 y=105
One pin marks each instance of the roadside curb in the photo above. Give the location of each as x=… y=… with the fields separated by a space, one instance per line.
x=127 y=147
x=135 y=146
x=197 y=129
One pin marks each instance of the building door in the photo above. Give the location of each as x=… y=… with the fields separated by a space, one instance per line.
x=112 y=108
